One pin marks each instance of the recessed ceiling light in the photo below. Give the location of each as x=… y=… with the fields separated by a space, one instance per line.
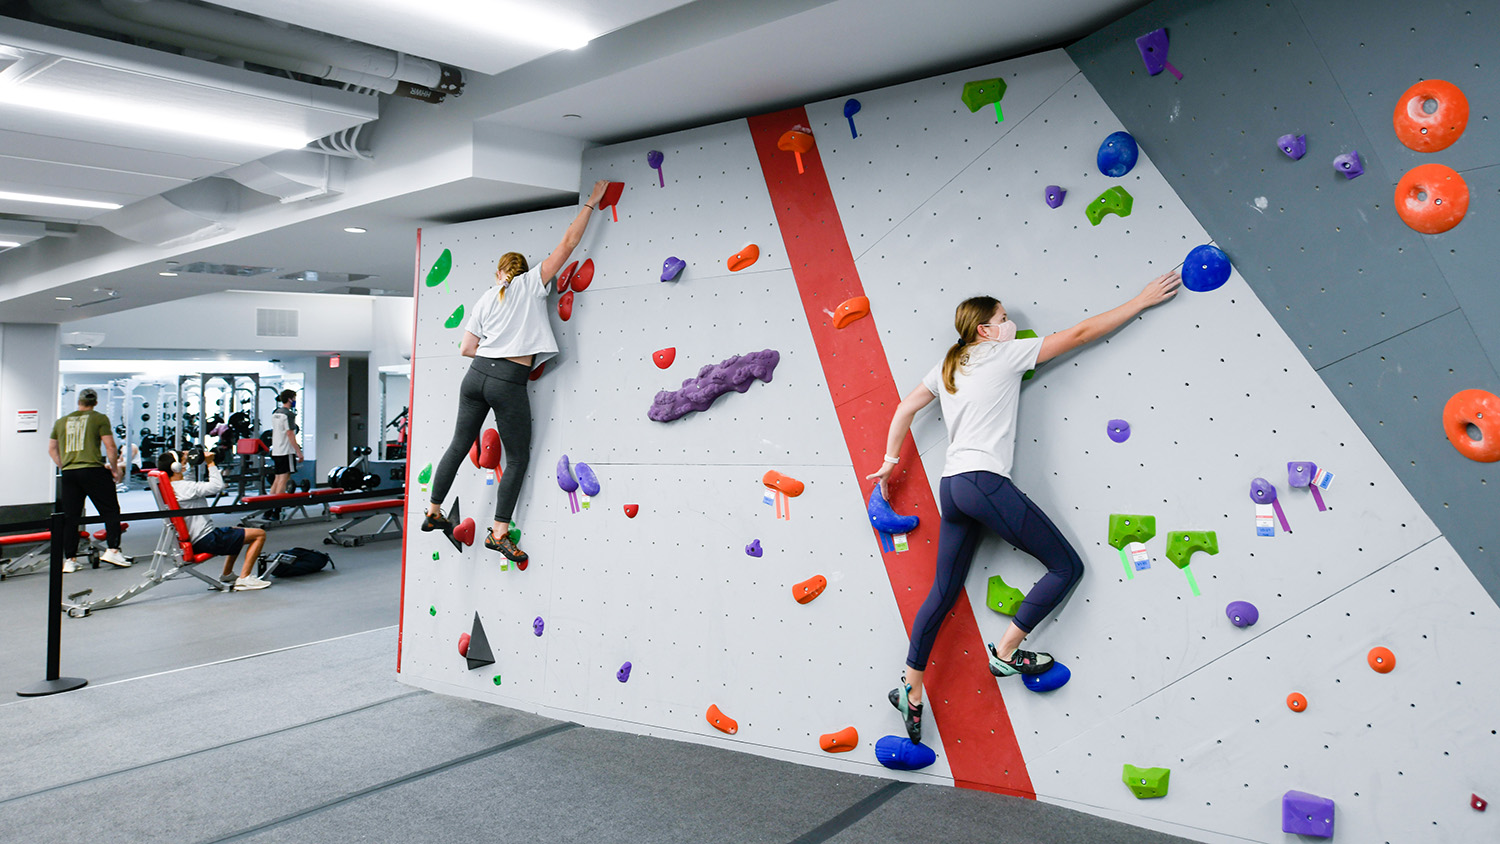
x=572 y=117
x=167 y=274
x=63 y=298
x=354 y=230
x=57 y=200
x=8 y=244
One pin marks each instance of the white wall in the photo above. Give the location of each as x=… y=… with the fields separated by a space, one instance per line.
x=327 y=323
x=28 y=381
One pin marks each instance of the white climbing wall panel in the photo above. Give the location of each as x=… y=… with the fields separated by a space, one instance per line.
x=940 y=204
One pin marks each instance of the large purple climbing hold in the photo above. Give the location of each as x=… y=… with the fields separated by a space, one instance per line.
x=887 y=520
x=1349 y=164
x=1295 y=146
x=1153 y=46
x=624 y=673
x=1242 y=613
x=565 y=476
x=1306 y=814
x=672 y=268
x=714 y=380
x=587 y=481
x=1055 y=196
x=1118 y=430
x=1299 y=473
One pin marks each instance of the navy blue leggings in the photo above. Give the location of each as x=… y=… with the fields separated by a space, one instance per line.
x=971 y=502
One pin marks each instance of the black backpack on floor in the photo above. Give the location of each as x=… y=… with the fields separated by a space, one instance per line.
x=296 y=562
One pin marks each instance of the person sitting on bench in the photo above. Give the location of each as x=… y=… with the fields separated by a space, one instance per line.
x=208 y=539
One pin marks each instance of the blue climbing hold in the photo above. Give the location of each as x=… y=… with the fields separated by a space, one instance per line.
x=1050 y=680
x=1117 y=154
x=1205 y=268
x=887 y=520
x=899 y=754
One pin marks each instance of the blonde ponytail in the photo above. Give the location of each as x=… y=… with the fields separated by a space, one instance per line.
x=511 y=264
x=971 y=314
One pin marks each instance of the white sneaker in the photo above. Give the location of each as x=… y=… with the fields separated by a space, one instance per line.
x=252 y=582
x=70 y=565
x=115 y=558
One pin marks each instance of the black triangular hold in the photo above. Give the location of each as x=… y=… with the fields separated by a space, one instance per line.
x=479 y=647
x=453 y=520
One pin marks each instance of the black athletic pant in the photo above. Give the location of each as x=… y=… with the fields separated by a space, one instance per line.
x=971 y=502
x=98 y=485
x=498 y=385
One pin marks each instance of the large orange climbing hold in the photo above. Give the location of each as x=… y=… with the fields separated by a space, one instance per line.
x=1427 y=130
x=1432 y=198
x=1296 y=701
x=1382 y=660
x=796 y=142
x=851 y=310
x=720 y=721
x=744 y=258
x=809 y=589
x=842 y=741
x=784 y=484
x=1481 y=409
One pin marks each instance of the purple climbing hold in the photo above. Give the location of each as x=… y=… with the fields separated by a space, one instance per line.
x=624 y=673
x=565 y=476
x=1242 y=613
x=1299 y=473
x=1153 y=46
x=754 y=549
x=537 y=626
x=653 y=160
x=1055 y=196
x=1349 y=164
x=1295 y=146
x=1118 y=430
x=714 y=380
x=587 y=481
x=1262 y=491
x=1306 y=814
x=672 y=268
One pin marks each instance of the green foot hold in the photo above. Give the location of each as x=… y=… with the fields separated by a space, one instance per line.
x=1116 y=200
x=1147 y=782
x=425 y=476
x=497 y=679
x=515 y=533
x=983 y=92
x=440 y=269
x=434 y=555
x=1002 y=598
x=455 y=319
x=1125 y=529
x=1026 y=334
x=1181 y=544
x=432 y=610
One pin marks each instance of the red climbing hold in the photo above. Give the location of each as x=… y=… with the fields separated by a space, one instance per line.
x=721 y=721
x=631 y=510
x=474 y=454
x=584 y=276
x=489 y=449
x=1465 y=409
x=465 y=532
x=565 y=306
x=840 y=742
x=565 y=277
x=809 y=589
x=1477 y=802
x=611 y=200
x=536 y=373
x=796 y=141
x=663 y=357
x=744 y=258
x=851 y=310
x=463 y=644
x=784 y=484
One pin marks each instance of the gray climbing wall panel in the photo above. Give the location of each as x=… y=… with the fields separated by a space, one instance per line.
x=1329 y=257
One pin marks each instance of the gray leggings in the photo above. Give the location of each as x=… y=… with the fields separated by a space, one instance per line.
x=498 y=385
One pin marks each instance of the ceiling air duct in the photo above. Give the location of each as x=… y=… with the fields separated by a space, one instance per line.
x=203 y=209
x=291 y=176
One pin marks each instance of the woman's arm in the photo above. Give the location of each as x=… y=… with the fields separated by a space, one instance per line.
x=554 y=262
x=900 y=425
x=468 y=345
x=1158 y=290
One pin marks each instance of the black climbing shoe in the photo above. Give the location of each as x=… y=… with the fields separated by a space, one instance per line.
x=437 y=522
x=911 y=713
x=1020 y=662
x=504 y=546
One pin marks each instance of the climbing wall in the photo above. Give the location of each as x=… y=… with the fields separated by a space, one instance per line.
x=931 y=204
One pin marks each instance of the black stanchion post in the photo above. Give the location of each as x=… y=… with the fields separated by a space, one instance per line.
x=54 y=682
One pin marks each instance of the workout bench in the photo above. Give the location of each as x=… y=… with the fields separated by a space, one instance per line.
x=295 y=503
x=390 y=508
x=39 y=555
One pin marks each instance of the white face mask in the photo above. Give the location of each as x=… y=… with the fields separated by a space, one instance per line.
x=1006 y=330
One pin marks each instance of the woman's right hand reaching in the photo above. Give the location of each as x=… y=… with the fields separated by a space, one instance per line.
x=1159 y=289
x=598 y=193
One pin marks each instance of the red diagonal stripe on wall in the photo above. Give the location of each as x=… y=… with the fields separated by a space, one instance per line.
x=962 y=696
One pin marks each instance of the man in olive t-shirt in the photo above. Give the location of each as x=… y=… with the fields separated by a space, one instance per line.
x=80 y=442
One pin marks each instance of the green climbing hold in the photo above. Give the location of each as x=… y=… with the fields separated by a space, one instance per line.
x=1147 y=782
x=434 y=555
x=1003 y=598
x=497 y=679
x=1115 y=200
x=440 y=269
x=1125 y=529
x=515 y=533
x=455 y=319
x=432 y=610
x=981 y=92
x=1026 y=334
x=425 y=476
x=1182 y=544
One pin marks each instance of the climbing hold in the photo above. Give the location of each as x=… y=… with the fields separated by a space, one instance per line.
x=1479 y=410
x=653 y=160
x=489 y=449
x=440 y=269
x=463 y=644
x=982 y=92
x=809 y=589
x=736 y=373
x=455 y=319
x=565 y=475
x=744 y=258
x=663 y=357
x=587 y=480
x=1205 y=268
x=784 y=484
x=434 y=556
x=1055 y=196
x=844 y=740
x=1299 y=473
x=1479 y=803
x=1003 y=598
x=720 y=721
x=464 y=532
x=477 y=649
x=887 y=520
x=1125 y=528
x=497 y=679
x=1182 y=544
x=796 y=141
x=754 y=549
x=565 y=306
x=1296 y=701
x=453 y=519
x=1118 y=430
x=425 y=476
x=631 y=510
x=899 y=754
x=585 y=276
x=1349 y=164
x=850 y=310
x=1306 y=814
x=1117 y=154
x=538 y=626
x=1050 y=680
x=432 y=610
x=611 y=200
x=1115 y=200
x=1295 y=146
x=1153 y=47
x=851 y=108
x=1431 y=130
x=1381 y=660
x=565 y=277
x=515 y=536
x=537 y=373
x=1242 y=613
x=1263 y=492
x=624 y=673
x=1145 y=783
x=1432 y=198
x=672 y=268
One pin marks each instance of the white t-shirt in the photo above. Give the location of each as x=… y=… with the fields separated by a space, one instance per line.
x=519 y=325
x=192 y=494
x=981 y=416
x=283 y=424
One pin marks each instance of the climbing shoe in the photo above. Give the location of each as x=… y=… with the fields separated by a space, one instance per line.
x=437 y=522
x=911 y=713
x=505 y=546
x=1020 y=662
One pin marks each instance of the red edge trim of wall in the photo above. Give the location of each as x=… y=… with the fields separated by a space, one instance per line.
x=411 y=395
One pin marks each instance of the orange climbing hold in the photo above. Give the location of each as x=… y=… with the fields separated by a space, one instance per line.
x=851 y=310
x=784 y=484
x=1296 y=701
x=744 y=258
x=1430 y=131
x=1382 y=660
x=809 y=589
x=842 y=741
x=722 y=722
x=1481 y=409
x=796 y=142
x=1432 y=198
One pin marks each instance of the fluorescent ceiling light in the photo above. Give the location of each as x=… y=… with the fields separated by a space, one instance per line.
x=63 y=298
x=57 y=200
x=167 y=274
x=354 y=230
x=7 y=244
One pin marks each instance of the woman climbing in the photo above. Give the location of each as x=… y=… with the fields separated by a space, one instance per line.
x=508 y=333
x=978 y=386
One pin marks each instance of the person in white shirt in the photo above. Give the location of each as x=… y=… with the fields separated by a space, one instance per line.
x=206 y=538
x=978 y=385
x=508 y=333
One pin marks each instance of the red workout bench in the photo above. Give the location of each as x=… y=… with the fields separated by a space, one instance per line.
x=390 y=508
x=39 y=555
x=295 y=503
